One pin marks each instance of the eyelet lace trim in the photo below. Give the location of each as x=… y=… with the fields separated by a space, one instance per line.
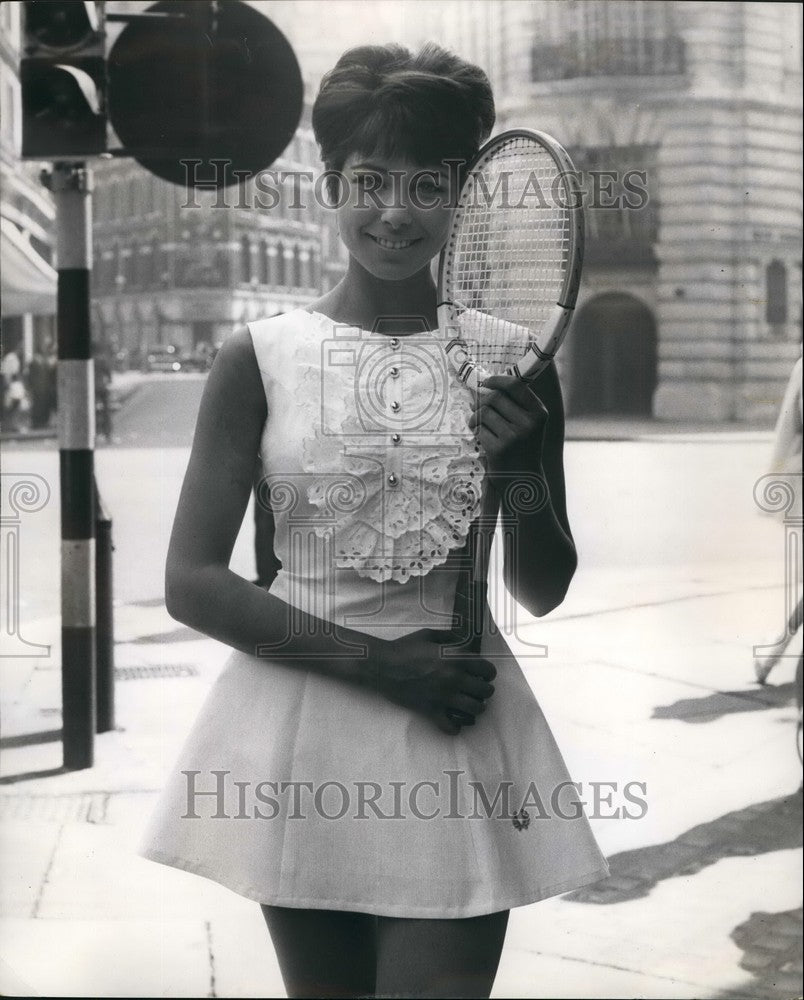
x=387 y=532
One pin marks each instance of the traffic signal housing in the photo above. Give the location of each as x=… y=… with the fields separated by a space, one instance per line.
x=63 y=79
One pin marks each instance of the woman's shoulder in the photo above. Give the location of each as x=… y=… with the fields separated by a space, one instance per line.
x=281 y=337
x=296 y=320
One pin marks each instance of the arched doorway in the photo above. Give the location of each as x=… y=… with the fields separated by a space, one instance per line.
x=613 y=357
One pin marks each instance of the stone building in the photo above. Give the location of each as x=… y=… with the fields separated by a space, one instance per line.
x=26 y=217
x=183 y=267
x=691 y=300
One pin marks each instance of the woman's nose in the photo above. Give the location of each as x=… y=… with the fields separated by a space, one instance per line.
x=396 y=215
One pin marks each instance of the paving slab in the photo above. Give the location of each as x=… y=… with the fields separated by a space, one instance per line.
x=107 y=958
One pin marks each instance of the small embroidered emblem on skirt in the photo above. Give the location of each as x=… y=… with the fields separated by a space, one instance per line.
x=522 y=820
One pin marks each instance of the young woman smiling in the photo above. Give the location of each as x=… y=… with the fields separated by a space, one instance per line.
x=326 y=777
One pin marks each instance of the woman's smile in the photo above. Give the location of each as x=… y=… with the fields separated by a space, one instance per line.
x=392 y=244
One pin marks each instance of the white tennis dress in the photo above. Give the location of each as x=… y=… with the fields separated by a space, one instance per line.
x=327 y=795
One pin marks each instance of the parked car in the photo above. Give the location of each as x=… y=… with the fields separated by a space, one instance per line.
x=163 y=358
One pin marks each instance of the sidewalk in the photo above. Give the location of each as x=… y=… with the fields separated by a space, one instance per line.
x=704 y=899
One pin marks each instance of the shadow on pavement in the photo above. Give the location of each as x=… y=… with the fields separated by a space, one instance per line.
x=774 y=825
x=50 y=772
x=29 y=739
x=180 y=634
x=772 y=953
x=719 y=703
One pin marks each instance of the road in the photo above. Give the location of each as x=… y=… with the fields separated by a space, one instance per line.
x=643 y=511
x=160 y=412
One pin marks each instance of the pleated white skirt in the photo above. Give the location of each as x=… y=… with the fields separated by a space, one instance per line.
x=299 y=790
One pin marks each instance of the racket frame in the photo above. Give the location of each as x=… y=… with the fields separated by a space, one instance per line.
x=536 y=358
x=472 y=589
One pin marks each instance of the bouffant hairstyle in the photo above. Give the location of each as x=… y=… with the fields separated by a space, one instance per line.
x=386 y=101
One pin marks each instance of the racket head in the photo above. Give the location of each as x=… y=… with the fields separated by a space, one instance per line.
x=510 y=269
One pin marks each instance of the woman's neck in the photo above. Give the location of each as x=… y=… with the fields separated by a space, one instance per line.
x=360 y=299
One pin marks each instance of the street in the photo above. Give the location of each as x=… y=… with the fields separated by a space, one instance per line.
x=648 y=678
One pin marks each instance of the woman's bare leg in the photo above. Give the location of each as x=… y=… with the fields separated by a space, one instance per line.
x=324 y=953
x=439 y=958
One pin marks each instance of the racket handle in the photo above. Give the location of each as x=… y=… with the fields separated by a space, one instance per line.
x=472 y=590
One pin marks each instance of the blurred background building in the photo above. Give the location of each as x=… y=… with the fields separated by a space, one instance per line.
x=691 y=302
x=182 y=268
x=27 y=277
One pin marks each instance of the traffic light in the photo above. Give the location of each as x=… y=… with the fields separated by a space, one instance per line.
x=63 y=79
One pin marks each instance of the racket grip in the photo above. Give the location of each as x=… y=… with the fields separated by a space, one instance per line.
x=470 y=593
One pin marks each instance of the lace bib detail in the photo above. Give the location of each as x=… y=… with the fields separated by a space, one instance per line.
x=396 y=474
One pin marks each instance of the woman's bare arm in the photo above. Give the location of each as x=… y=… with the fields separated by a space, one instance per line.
x=521 y=430
x=200 y=589
x=539 y=569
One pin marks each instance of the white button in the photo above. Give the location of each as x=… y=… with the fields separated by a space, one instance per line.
x=392 y=480
x=394 y=373
x=394 y=343
x=395 y=406
x=396 y=438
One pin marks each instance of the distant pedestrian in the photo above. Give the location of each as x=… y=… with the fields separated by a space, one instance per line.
x=103 y=393
x=16 y=403
x=39 y=389
x=9 y=370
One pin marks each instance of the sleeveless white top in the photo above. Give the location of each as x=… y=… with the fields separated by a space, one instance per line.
x=370 y=469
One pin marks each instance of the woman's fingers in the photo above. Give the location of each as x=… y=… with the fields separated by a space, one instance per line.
x=445 y=724
x=479 y=667
x=476 y=687
x=466 y=706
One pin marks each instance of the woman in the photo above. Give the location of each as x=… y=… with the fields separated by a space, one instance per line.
x=370 y=785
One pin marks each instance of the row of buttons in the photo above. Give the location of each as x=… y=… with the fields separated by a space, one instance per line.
x=395 y=438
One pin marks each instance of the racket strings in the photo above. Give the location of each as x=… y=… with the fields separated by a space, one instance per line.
x=510 y=251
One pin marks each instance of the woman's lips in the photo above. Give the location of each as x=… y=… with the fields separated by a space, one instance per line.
x=387 y=244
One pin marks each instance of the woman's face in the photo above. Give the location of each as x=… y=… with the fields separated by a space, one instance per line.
x=395 y=215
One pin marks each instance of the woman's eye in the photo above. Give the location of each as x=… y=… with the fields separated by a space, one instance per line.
x=371 y=181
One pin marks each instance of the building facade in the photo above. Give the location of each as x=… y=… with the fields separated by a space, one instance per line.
x=26 y=218
x=184 y=267
x=691 y=301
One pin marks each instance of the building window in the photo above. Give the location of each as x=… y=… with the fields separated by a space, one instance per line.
x=146 y=266
x=306 y=279
x=281 y=265
x=157 y=263
x=265 y=277
x=776 y=294
x=245 y=259
x=606 y=38
x=622 y=213
x=273 y=277
x=295 y=268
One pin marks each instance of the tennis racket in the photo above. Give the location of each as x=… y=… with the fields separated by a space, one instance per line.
x=507 y=284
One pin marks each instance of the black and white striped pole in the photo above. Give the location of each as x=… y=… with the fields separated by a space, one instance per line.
x=71 y=185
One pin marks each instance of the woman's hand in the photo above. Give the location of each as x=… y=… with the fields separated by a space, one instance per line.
x=522 y=435
x=509 y=420
x=413 y=673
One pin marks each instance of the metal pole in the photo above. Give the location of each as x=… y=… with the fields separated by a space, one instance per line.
x=71 y=186
x=104 y=609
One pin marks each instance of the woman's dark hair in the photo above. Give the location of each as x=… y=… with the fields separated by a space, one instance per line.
x=383 y=100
